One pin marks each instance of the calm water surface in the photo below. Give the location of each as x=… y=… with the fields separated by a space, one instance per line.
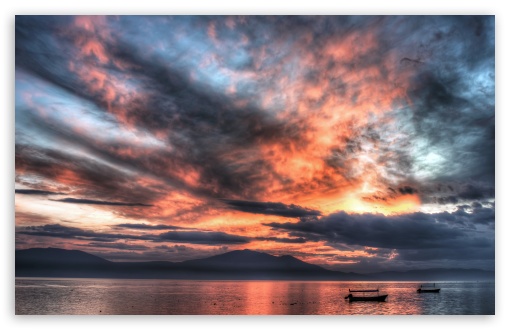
x=181 y=297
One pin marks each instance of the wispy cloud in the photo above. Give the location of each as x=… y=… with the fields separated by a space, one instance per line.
x=279 y=209
x=96 y=202
x=143 y=226
x=36 y=192
x=191 y=237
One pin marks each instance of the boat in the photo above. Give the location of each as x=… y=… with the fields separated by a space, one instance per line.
x=429 y=289
x=365 y=297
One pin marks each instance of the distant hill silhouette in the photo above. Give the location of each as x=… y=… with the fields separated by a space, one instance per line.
x=59 y=263
x=58 y=256
x=241 y=264
x=251 y=261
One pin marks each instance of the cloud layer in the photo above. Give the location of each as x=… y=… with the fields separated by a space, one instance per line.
x=211 y=127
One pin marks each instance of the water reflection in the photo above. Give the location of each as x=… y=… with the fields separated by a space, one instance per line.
x=174 y=297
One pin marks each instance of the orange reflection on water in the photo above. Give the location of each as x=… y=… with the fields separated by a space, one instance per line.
x=263 y=303
x=184 y=297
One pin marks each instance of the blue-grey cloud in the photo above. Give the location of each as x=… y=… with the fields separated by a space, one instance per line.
x=271 y=208
x=36 y=192
x=107 y=181
x=116 y=246
x=202 y=237
x=57 y=230
x=407 y=231
x=464 y=235
x=298 y=240
x=191 y=237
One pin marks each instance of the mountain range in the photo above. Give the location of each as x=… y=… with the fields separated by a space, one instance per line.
x=240 y=264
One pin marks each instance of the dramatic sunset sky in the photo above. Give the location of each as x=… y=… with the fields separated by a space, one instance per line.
x=356 y=143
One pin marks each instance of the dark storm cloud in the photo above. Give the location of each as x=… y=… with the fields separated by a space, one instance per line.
x=449 y=122
x=56 y=230
x=211 y=135
x=204 y=236
x=143 y=226
x=220 y=134
x=447 y=200
x=482 y=215
x=96 y=202
x=472 y=192
x=453 y=100
x=103 y=176
x=455 y=193
x=298 y=240
x=411 y=241
x=406 y=190
x=453 y=104
x=409 y=231
x=269 y=208
x=116 y=246
x=35 y=192
x=451 y=119
x=191 y=237
x=197 y=237
x=193 y=117
x=392 y=193
x=39 y=50
x=90 y=177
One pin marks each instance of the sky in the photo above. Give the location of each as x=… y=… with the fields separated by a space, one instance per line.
x=358 y=143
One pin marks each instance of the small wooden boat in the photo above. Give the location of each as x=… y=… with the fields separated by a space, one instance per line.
x=365 y=297
x=420 y=290
x=423 y=289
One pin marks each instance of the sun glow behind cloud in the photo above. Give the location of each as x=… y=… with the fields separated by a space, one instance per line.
x=402 y=204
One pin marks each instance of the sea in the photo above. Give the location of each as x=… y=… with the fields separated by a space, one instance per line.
x=73 y=296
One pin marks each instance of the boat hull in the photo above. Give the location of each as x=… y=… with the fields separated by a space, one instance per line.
x=428 y=290
x=372 y=298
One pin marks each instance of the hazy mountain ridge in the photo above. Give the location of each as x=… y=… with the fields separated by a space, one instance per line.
x=239 y=264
